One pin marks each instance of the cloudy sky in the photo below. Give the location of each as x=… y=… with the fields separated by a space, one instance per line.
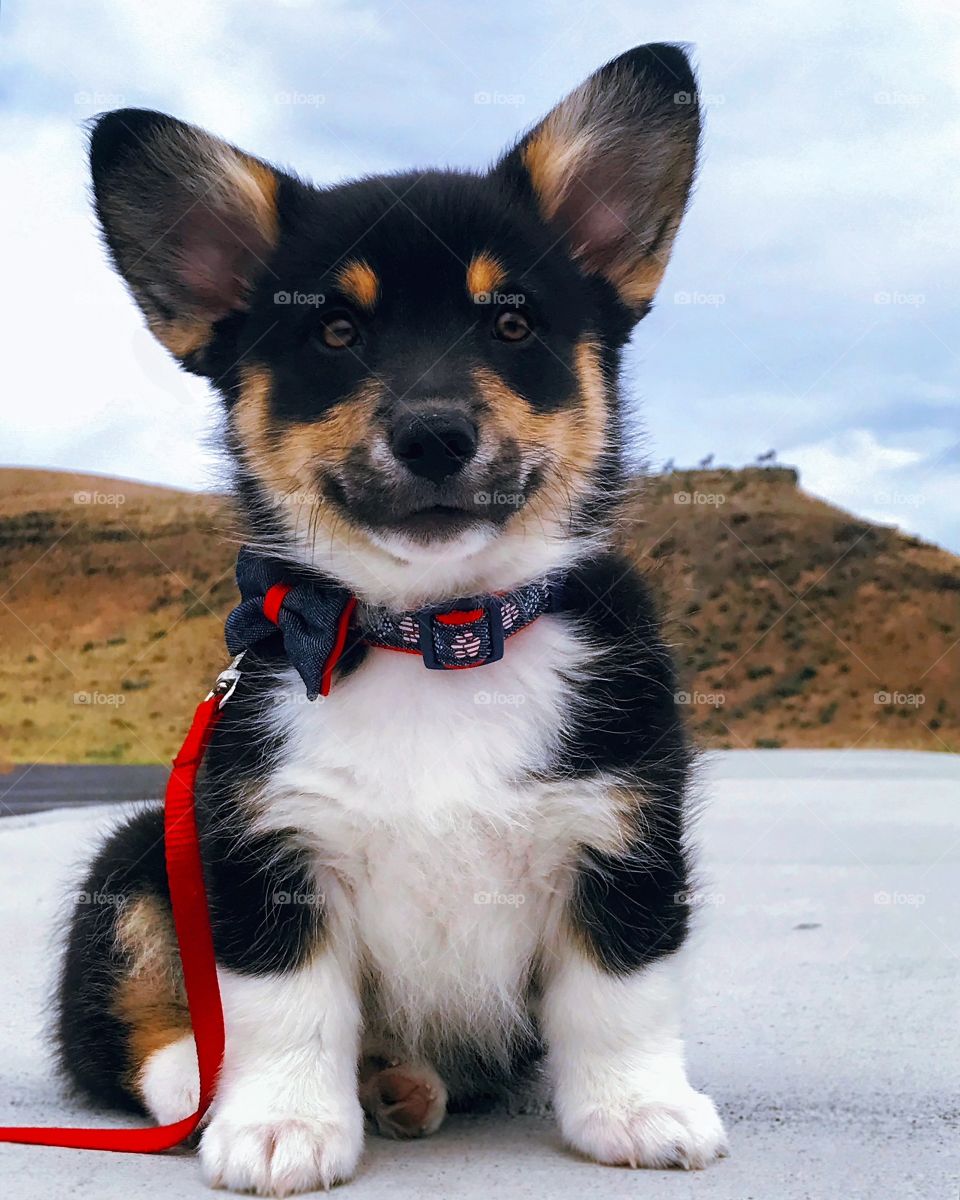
x=811 y=305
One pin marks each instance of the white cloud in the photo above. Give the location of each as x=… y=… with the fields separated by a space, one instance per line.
x=904 y=485
x=87 y=387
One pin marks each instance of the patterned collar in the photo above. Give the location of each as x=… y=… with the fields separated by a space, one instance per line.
x=316 y=619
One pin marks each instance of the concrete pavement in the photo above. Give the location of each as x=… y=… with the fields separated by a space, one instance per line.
x=824 y=1012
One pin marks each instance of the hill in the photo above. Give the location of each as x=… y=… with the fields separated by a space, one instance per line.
x=794 y=623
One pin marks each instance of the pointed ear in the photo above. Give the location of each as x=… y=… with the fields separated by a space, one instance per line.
x=190 y=222
x=611 y=167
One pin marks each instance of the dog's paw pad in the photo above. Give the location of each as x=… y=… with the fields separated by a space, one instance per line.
x=404 y=1100
x=684 y=1131
x=279 y=1157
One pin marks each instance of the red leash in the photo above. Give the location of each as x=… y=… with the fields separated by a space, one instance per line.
x=191 y=918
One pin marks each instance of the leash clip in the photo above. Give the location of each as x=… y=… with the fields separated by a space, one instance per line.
x=227 y=681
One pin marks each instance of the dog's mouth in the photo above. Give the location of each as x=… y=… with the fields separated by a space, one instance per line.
x=435 y=522
x=428 y=515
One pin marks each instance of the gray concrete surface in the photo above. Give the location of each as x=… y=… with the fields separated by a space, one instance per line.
x=29 y=788
x=824 y=1012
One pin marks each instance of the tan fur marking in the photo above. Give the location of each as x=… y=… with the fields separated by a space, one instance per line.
x=247 y=186
x=591 y=421
x=628 y=806
x=182 y=337
x=153 y=1021
x=630 y=824
x=639 y=286
x=549 y=157
x=638 y=280
x=562 y=149
x=287 y=456
x=262 y=194
x=574 y=436
x=358 y=280
x=150 y=999
x=251 y=416
x=567 y=443
x=484 y=274
x=286 y=459
x=146 y=936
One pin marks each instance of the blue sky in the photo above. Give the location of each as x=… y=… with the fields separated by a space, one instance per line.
x=811 y=305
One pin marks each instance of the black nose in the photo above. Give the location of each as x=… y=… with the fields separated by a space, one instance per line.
x=434 y=445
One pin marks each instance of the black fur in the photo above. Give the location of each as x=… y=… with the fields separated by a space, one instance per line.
x=91 y=1038
x=631 y=908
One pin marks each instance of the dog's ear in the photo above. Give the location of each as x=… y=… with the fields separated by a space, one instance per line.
x=611 y=167
x=189 y=220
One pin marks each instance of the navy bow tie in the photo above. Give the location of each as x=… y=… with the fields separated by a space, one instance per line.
x=316 y=618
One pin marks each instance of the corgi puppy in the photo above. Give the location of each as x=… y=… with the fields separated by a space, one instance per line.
x=443 y=814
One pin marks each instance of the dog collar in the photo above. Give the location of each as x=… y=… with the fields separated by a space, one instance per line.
x=316 y=618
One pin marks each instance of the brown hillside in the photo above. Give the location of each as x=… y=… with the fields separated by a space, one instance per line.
x=795 y=623
x=110 y=615
x=788 y=616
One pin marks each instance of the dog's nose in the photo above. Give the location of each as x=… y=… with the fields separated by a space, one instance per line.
x=434 y=445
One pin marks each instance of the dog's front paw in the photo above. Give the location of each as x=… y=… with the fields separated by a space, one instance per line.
x=682 y=1130
x=279 y=1156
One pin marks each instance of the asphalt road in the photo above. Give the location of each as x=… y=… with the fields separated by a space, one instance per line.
x=30 y=789
x=824 y=1012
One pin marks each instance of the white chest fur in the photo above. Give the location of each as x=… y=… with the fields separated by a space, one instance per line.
x=414 y=789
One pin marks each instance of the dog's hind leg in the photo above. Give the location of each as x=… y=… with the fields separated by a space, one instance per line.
x=121 y=1006
x=150 y=1001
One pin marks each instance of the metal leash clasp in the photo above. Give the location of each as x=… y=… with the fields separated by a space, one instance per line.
x=227 y=681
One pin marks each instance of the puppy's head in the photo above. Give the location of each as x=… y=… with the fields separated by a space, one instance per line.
x=419 y=371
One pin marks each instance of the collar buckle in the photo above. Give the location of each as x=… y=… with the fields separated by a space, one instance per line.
x=491 y=612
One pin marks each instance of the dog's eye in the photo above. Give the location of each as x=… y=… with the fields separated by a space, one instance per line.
x=512 y=326
x=338 y=331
